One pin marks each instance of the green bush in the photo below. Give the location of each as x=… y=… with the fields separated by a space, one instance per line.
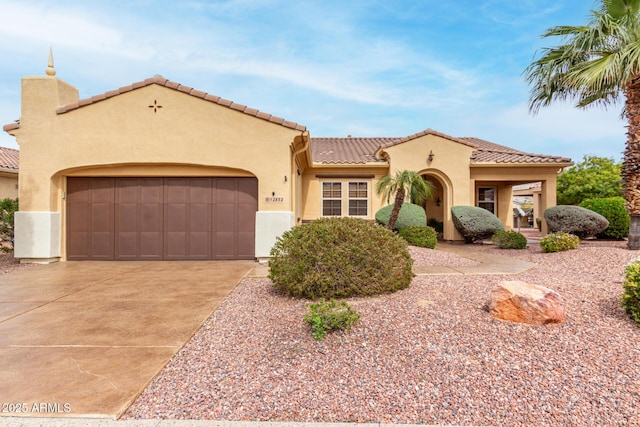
x=613 y=209
x=509 y=240
x=410 y=215
x=330 y=316
x=575 y=220
x=425 y=237
x=559 y=242
x=631 y=294
x=436 y=225
x=339 y=258
x=8 y=207
x=475 y=223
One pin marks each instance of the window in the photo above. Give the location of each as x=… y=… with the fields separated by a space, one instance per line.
x=487 y=198
x=355 y=198
x=358 y=199
x=331 y=199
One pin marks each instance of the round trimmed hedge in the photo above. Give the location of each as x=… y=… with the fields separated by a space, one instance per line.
x=575 y=220
x=613 y=209
x=424 y=237
x=410 y=216
x=339 y=258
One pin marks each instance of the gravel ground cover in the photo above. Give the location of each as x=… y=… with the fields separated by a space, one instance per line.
x=8 y=263
x=427 y=354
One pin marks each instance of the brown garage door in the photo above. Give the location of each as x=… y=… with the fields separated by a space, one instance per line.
x=161 y=218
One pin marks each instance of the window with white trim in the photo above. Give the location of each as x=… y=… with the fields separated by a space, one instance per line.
x=358 y=198
x=487 y=198
x=352 y=201
x=332 y=199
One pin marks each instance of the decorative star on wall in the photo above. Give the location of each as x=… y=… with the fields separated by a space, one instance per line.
x=155 y=106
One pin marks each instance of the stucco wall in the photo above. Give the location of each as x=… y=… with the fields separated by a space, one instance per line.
x=311 y=187
x=8 y=185
x=125 y=130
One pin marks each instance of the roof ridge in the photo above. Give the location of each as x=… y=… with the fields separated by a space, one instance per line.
x=160 y=80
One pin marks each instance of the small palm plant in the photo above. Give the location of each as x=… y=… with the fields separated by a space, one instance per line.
x=400 y=184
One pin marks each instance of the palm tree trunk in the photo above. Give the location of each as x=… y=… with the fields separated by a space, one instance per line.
x=397 y=205
x=631 y=162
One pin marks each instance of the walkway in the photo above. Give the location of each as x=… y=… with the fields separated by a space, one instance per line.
x=489 y=263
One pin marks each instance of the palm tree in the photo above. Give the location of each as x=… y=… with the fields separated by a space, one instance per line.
x=597 y=64
x=402 y=182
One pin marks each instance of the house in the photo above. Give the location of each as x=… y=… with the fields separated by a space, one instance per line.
x=8 y=173
x=159 y=170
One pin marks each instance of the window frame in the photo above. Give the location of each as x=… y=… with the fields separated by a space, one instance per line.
x=358 y=199
x=345 y=197
x=330 y=199
x=493 y=202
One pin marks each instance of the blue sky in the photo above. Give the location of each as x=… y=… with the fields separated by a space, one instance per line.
x=364 y=68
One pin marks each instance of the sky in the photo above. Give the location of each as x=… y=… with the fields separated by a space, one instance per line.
x=347 y=67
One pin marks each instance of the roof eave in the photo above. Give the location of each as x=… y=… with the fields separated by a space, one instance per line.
x=562 y=164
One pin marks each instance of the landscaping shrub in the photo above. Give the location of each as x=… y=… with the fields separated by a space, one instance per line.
x=410 y=215
x=8 y=207
x=436 y=225
x=330 y=316
x=509 y=240
x=631 y=295
x=575 y=220
x=475 y=223
x=559 y=242
x=425 y=237
x=613 y=209
x=339 y=258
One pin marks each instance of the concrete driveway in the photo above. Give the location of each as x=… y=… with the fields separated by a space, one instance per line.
x=83 y=339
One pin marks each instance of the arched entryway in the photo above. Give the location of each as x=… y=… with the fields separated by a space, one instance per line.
x=438 y=207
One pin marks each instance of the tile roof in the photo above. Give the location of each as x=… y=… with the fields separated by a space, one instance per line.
x=489 y=152
x=352 y=150
x=347 y=150
x=9 y=158
x=159 y=80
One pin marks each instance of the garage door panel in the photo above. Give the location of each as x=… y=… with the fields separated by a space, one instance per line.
x=246 y=220
x=90 y=217
x=161 y=218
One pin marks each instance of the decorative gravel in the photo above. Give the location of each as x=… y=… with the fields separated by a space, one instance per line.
x=8 y=263
x=428 y=354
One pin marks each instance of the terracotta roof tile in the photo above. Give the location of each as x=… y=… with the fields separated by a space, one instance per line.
x=347 y=150
x=489 y=152
x=9 y=158
x=423 y=133
x=363 y=150
x=159 y=80
x=11 y=126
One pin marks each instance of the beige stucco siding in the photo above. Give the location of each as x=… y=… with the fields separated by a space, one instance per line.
x=8 y=185
x=125 y=130
x=311 y=186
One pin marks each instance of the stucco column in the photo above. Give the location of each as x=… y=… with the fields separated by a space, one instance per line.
x=547 y=200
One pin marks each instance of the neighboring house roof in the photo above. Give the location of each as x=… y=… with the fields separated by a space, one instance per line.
x=9 y=159
x=352 y=150
x=159 y=80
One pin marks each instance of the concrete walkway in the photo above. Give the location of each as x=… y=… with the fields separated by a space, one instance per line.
x=489 y=263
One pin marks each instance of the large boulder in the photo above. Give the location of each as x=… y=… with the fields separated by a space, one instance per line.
x=520 y=302
x=475 y=223
x=575 y=220
x=410 y=215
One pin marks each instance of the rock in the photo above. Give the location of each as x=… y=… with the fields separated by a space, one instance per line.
x=517 y=301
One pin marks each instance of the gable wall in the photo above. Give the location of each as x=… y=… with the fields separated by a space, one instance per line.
x=124 y=130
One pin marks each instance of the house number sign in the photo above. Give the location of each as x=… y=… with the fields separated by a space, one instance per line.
x=274 y=199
